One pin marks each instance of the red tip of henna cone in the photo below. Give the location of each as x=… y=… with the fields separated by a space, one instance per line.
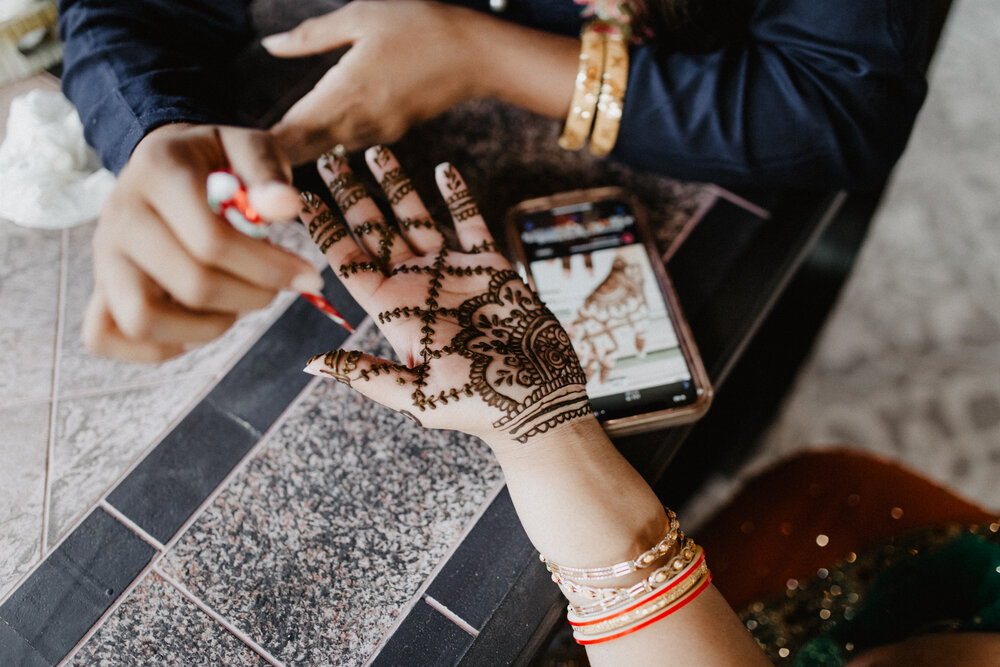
x=330 y=311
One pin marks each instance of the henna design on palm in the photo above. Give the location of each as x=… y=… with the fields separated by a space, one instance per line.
x=522 y=359
x=481 y=352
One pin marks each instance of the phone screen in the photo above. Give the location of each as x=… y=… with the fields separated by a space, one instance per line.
x=593 y=272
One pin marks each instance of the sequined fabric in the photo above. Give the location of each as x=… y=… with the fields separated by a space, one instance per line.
x=936 y=580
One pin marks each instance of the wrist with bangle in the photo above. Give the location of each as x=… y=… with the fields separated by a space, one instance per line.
x=615 y=611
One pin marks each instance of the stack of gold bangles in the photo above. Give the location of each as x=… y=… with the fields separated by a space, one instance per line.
x=595 y=111
x=680 y=577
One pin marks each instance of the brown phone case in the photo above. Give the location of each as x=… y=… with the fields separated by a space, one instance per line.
x=651 y=419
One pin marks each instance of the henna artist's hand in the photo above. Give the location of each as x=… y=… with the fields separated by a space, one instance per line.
x=410 y=61
x=480 y=353
x=169 y=273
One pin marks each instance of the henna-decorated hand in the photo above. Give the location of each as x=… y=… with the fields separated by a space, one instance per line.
x=480 y=353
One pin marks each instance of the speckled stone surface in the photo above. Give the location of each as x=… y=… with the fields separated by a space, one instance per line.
x=323 y=539
x=156 y=625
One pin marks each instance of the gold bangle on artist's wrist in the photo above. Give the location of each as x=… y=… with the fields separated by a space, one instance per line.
x=610 y=103
x=586 y=91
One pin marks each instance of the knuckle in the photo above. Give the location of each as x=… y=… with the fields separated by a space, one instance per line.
x=135 y=319
x=208 y=246
x=306 y=32
x=196 y=290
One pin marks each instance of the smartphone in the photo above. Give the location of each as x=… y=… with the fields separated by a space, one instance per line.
x=589 y=256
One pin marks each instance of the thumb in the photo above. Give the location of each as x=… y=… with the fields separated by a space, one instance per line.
x=383 y=381
x=316 y=35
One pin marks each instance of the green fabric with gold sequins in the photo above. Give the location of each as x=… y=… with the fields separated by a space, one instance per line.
x=940 y=580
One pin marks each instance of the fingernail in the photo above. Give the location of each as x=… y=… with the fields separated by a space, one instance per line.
x=274 y=40
x=308 y=282
x=317 y=365
x=275 y=199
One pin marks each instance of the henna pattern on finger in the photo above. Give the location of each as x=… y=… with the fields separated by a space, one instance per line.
x=406 y=224
x=386 y=234
x=460 y=202
x=396 y=185
x=345 y=187
x=325 y=228
x=339 y=364
x=485 y=246
x=383 y=156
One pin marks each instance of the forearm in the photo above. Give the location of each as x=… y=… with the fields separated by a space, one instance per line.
x=813 y=96
x=583 y=505
x=528 y=68
x=579 y=500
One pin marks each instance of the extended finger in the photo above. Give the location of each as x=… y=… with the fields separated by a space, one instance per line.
x=415 y=223
x=350 y=261
x=318 y=34
x=369 y=226
x=470 y=226
x=383 y=381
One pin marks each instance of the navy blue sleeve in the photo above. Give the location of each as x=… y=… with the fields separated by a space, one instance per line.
x=133 y=65
x=819 y=94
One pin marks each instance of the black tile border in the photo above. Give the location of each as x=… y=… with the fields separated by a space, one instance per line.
x=479 y=574
x=425 y=638
x=16 y=650
x=69 y=592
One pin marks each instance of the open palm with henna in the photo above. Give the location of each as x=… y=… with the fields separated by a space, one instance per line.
x=478 y=351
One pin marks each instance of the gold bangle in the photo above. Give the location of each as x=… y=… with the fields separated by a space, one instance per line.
x=607 y=599
x=643 y=560
x=586 y=91
x=610 y=103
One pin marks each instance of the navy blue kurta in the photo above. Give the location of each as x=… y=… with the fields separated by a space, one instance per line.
x=816 y=94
